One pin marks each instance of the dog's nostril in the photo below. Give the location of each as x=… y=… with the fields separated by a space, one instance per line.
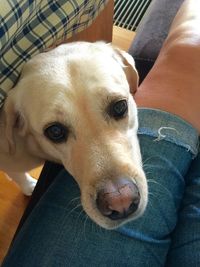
x=119 y=199
x=116 y=215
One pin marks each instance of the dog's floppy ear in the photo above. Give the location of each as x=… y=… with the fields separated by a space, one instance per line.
x=12 y=120
x=129 y=69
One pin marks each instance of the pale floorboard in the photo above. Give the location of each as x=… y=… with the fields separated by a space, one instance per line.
x=12 y=201
x=12 y=205
x=122 y=38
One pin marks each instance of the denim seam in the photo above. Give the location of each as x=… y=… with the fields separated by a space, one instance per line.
x=165 y=126
x=145 y=131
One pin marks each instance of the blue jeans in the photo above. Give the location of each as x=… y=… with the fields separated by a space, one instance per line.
x=59 y=233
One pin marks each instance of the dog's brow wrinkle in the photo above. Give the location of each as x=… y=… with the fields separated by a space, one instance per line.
x=115 y=97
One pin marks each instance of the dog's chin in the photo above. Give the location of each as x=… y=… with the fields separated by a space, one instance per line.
x=92 y=211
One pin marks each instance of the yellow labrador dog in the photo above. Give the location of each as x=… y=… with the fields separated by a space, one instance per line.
x=74 y=105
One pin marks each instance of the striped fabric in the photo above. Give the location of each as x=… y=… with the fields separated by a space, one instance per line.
x=128 y=13
x=28 y=27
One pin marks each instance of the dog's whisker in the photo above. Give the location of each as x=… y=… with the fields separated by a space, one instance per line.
x=154 y=181
x=84 y=227
x=162 y=187
x=148 y=173
x=95 y=228
x=153 y=195
x=78 y=218
x=100 y=230
x=148 y=170
x=75 y=208
x=147 y=159
x=81 y=213
x=152 y=206
x=75 y=199
x=146 y=167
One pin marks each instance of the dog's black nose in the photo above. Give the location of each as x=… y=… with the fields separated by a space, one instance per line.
x=118 y=199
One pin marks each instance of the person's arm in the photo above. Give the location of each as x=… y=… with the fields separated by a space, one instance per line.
x=173 y=83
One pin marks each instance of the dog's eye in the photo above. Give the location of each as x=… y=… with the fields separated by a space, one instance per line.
x=56 y=132
x=119 y=109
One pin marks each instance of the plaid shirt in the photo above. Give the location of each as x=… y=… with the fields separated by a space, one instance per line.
x=28 y=27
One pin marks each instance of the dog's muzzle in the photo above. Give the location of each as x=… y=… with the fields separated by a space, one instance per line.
x=118 y=199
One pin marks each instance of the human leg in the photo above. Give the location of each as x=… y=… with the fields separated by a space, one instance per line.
x=58 y=233
x=173 y=83
x=184 y=249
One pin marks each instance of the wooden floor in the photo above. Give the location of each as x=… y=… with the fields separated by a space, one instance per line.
x=122 y=38
x=12 y=201
x=12 y=205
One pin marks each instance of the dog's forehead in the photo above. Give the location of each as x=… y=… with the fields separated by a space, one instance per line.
x=94 y=75
x=79 y=66
x=89 y=60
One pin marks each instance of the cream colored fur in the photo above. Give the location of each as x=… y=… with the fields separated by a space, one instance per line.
x=74 y=84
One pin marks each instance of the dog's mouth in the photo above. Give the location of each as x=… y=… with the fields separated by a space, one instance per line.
x=115 y=203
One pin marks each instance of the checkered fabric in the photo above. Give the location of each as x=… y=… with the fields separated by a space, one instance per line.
x=28 y=27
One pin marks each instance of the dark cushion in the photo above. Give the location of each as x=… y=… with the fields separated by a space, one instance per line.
x=152 y=32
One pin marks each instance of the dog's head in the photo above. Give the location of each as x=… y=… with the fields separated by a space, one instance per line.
x=74 y=105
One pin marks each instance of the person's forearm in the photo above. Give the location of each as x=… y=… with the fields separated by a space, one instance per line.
x=173 y=83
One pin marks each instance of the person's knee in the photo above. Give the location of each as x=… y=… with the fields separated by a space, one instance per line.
x=182 y=52
x=183 y=39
